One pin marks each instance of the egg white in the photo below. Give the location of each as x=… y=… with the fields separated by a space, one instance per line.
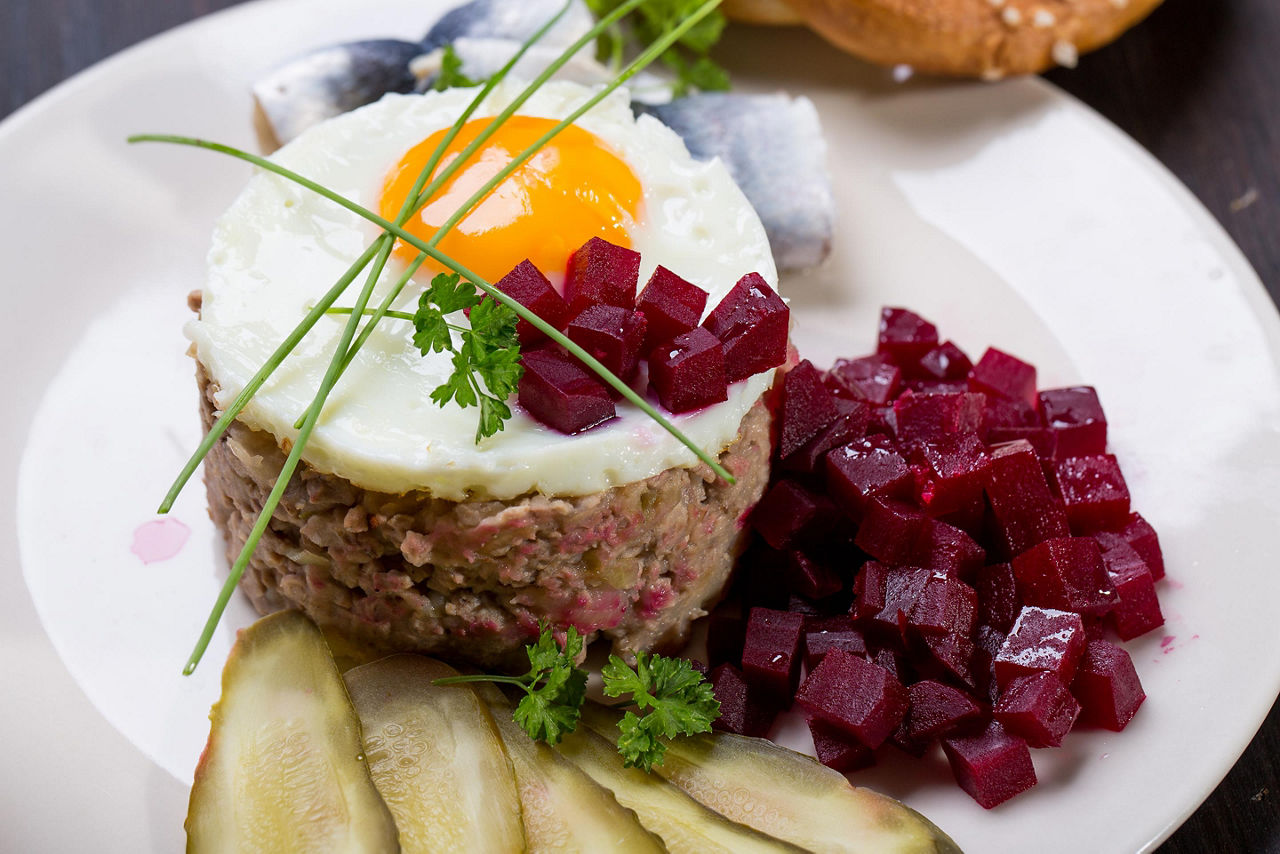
x=279 y=247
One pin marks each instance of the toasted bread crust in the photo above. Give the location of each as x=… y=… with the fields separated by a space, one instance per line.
x=979 y=38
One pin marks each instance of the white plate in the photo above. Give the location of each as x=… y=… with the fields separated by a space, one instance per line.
x=1009 y=214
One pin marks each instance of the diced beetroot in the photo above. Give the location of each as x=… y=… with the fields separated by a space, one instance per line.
x=870 y=378
x=601 y=273
x=1139 y=534
x=893 y=660
x=901 y=739
x=1005 y=413
x=949 y=656
x=854 y=696
x=671 y=306
x=890 y=530
x=558 y=391
x=753 y=323
x=792 y=513
x=954 y=470
x=929 y=417
x=611 y=334
x=1039 y=708
x=946 y=362
x=880 y=421
x=869 y=590
x=689 y=372
x=812 y=577
x=998 y=599
x=938 y=710
x=992 y=767
x=1137 y=609
x=988 y=642
x=761 y=577
x=1001 y=375
x=839 y=751
x=1107 y=686
x=946 y=548
x=526 y=285
x=771 y=652
x=1066 y=573
x=807 y=408
x=946 y=605
x=1042 y=639
x=1093 y=491
x=742 y=709
x=1042 y=440
x=905 y=336
x=902 y=588
x=819 y=643
x=1026 y=511
x=865 y=469
x=726 y=632
x=850 y=424
x=937 y=386
x=1075 y=416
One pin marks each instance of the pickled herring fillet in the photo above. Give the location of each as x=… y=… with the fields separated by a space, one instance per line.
x=436 y=757
x=283 y=770
x=564 y=809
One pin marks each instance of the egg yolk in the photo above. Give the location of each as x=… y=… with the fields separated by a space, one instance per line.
x=574 y=188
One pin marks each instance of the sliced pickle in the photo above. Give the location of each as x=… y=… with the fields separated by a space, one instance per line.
x=684 y=824
x=436 y=756
x=564 y=809
x=787 y=794
x=283 y=770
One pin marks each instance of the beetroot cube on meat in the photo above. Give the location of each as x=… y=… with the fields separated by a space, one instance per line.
x=1076 y=418
x=1139 y=534
x=929 y=417
x=839 y=751
x=1093 y=491
x=1042 y=639
x=807 y=408
x=945 y=605
x=812 y=577
x=1039 y=708
x=1107 y=686
x=947 y=549
x=865 y=469
x=752 y=322
x=559 y=392
x=526 y=285
x=870 y=378
x=890 y=530
x=611 y=334
x=998 y=601
x=771 y=652
x=1001 y=375
x=854 y=696
x=850 y=423
x=602 y=273
x=791 y=512
x=905 y=336
x=1025 y=510
x=1065 y=573
x=938 y=710
x=955 y=468
x=1137 y=609
x=742 y=710
x=689 y=372
x=818 y=643
x=671 y=306
x=945 y=362
x=992 y=767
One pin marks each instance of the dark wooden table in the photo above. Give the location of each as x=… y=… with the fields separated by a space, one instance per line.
x=1196 y=84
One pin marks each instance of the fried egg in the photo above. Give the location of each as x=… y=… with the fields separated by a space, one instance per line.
x=279 y=248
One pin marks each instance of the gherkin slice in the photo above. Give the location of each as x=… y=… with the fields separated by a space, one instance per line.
x=436 y=757
x=283 y=770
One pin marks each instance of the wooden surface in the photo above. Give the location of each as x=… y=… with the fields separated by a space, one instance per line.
x=1197 y=84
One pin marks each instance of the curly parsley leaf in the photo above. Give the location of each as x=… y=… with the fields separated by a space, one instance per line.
x=672 y=697
x=486 y=356
x=688 y=57
x=555 y=688
x=451 y=76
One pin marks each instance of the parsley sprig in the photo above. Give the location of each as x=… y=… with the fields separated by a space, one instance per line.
x=689 y=57
x=486 y=361
x=672 y=698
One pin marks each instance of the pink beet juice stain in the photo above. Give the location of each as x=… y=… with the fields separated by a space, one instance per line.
x=160 y=539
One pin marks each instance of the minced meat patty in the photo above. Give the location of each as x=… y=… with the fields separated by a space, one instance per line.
x=471 y=580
